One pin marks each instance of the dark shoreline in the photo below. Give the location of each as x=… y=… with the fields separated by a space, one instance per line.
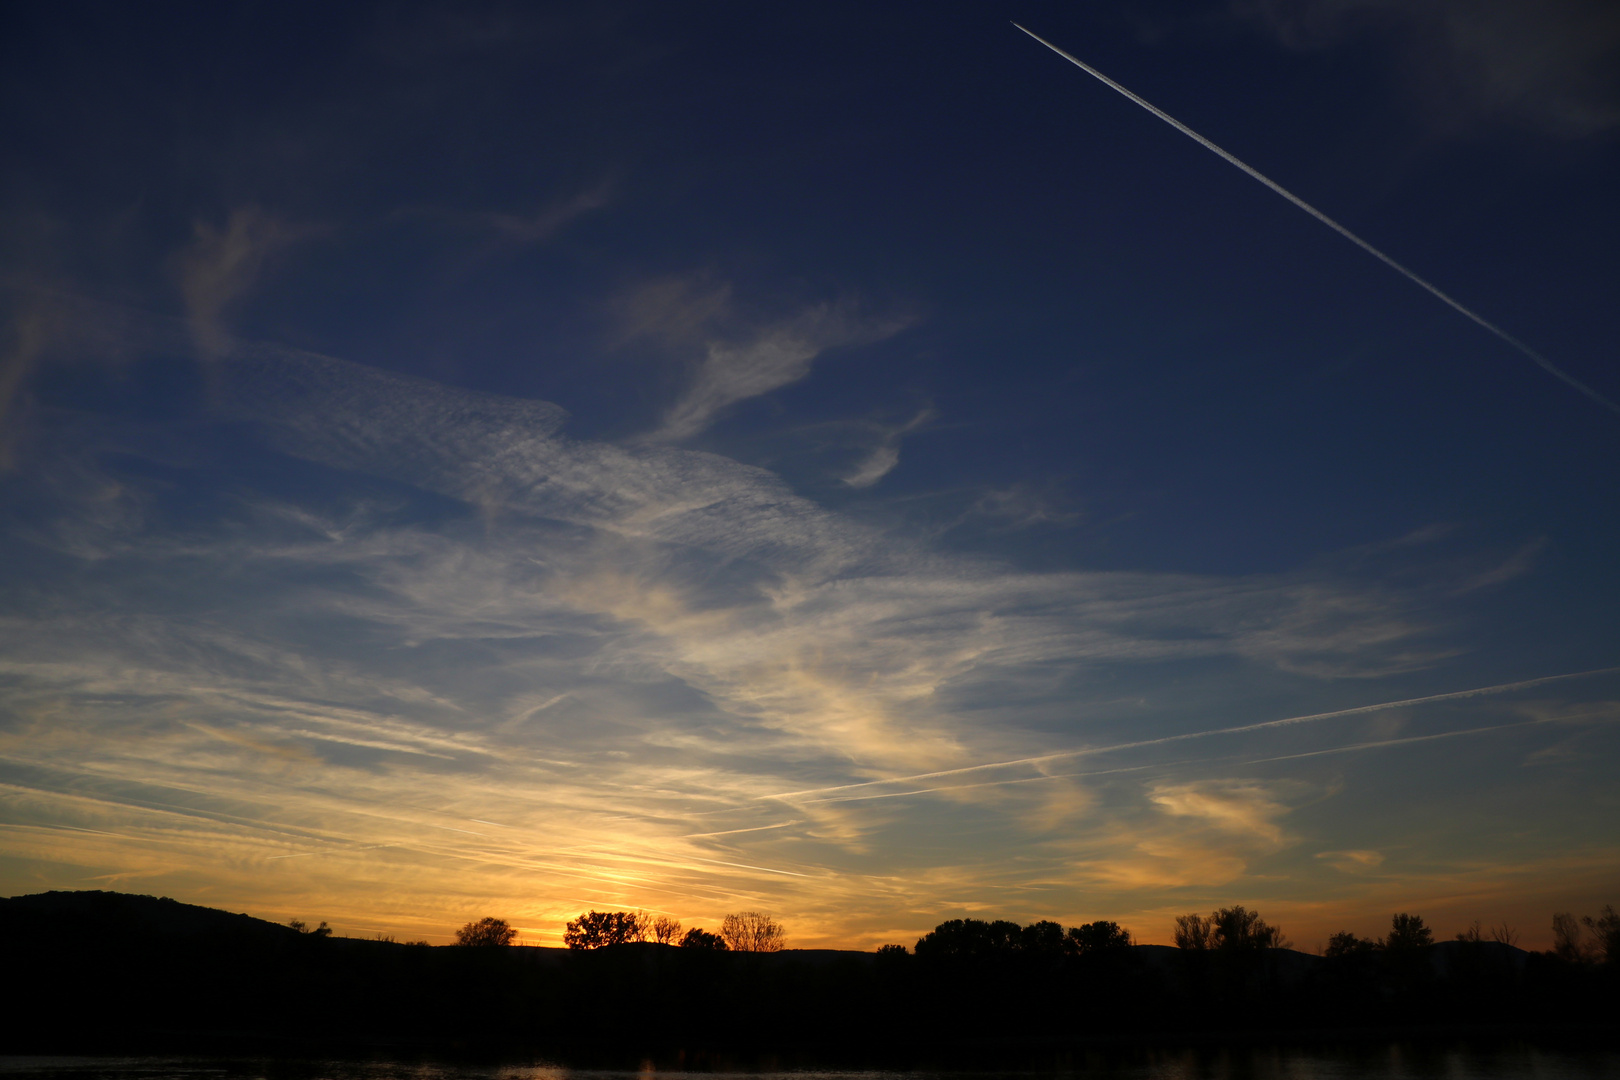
x=106 y=973
x=990 y=1055
x=1369 y=1048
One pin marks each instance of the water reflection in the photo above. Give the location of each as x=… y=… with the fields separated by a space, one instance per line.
x=1390 y=1062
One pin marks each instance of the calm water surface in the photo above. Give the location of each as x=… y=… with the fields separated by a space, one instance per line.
x=1393 y=1062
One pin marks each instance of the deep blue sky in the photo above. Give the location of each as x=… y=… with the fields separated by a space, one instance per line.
x=800 y=397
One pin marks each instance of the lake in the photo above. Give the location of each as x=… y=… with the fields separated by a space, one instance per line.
x=1387 y=1062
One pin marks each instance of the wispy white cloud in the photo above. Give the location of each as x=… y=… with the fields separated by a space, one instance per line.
x=534 y=227
x=641 y=648
x=768 y=359
x=1544 y=64
x=1352 y=862
x=1021 y=506
x=221 y=265
x=28 y=333
x=1517 y=565
x=883 y=457
x=1243 y=808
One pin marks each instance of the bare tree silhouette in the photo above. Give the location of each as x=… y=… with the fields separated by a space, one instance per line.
x=1229 y=929
x=1607 y=928
x=1567 y=943
x=1194 y=932
x=751 y=931
x=665 y=930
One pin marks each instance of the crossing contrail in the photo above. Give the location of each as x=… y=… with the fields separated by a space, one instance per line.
x=1540 y=361
x=1263 y=725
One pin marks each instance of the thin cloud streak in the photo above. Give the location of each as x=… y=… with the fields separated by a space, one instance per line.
x=697 y=632
x=223 y=265
x=775 y=357
x=1396 y=742
x=991 y=783
x=1539 y=360
x=1184 y=762
x=761 y=869
x=1454 y=695
x=733 y=832
x=886 y=455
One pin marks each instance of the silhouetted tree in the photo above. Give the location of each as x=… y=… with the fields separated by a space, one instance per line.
x=1567 y=937
x=1098 y=938
x=1505 y=934
x=969 y=937
x=1347 y=944
x=750 y=931
x=665 y=930
x=488 y=932
x=321 y=931
x=1238 y=928
x=1407 y=932
x=1472 y=934
x=225 y=974
x=698 y=938
x=1044 y=936
x=1194 y=932
x=594 y=929
x=1607 y=928
x=893 y=961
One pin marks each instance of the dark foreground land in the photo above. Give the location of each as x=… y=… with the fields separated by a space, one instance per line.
x=98 y=972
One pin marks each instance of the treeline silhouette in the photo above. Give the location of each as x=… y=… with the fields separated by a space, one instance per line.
x=744 y=931
x=110 y=972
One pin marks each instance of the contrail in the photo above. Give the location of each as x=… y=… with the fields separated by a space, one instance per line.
x=1287 y=721
x=731 y=832
x=994 y=783
x=1381 y=743
x=1541 y=361
x=1351 y=748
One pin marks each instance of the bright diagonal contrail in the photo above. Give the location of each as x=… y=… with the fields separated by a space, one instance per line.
x=1541 y=361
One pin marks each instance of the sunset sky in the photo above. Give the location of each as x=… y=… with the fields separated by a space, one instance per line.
x=838 y=460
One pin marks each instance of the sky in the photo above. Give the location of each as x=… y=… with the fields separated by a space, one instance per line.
x=836 y=460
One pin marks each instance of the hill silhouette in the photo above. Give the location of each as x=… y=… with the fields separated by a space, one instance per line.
x=111 y=972
x=130 y=915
